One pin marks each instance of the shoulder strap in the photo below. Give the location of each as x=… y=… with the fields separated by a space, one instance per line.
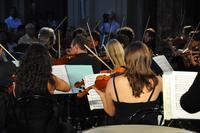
x=151 y=95
x=115 y=89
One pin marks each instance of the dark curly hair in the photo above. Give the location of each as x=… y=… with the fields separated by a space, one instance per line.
x=138 y=64
x=34 y=72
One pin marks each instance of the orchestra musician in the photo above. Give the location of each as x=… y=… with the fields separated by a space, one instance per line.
x=190 y=57
x=96 y=38
x=137 y=88
x=34 y=75
x=115 y=51
x=34 y=78
x=47 y=37
x=150 y=39
x=129 y=32
x=7 y=69
x=81 y=55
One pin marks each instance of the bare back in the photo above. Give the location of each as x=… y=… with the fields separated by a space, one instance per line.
x=124 y=91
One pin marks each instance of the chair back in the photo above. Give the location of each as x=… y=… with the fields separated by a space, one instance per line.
x=36 y=114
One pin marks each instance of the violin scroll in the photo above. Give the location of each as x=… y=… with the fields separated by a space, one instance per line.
x=79 y=84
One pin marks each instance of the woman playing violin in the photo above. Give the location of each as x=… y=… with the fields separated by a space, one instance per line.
x=137 y=88
x=34 y=76
x=116 y=53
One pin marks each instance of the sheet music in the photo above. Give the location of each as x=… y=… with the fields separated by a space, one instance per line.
x=77 y=73
x=166 y=96
x=60 y=71
x=93 y=98
x=163 y=63
x=178 y=83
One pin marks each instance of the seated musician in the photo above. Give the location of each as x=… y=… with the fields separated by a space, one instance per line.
x=190 y=58
x=115 y=52
x=138 y=88
x=34 y=75
x=96 y=39
x=150 y=39
x=7 y=69
x=47 y=37
x=129 y=32
x=81 y=55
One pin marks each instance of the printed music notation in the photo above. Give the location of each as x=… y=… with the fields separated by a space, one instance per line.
x=93 y=98
x=163 y=63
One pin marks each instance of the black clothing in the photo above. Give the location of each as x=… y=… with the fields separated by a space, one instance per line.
x=7 y=69
x=85 y=59
x=53 y=52
x=190 y=100
x=35 y=114
x=124 y=111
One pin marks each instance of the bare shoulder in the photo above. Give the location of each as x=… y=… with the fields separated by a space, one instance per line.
x=159 y=86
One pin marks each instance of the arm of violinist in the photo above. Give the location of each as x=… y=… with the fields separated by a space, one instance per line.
x=60 y=85
x=106 y=98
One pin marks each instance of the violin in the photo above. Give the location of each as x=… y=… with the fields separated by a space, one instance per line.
x=63 y=60
x=101 y=81
x=79 y=84
x=11 y=86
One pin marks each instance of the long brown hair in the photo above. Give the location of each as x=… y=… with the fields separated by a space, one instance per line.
x=138 y=63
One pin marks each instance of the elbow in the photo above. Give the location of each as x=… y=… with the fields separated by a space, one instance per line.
x=110 y=112
x=67 y=88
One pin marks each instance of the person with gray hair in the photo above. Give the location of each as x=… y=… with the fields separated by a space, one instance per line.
x=47 y=37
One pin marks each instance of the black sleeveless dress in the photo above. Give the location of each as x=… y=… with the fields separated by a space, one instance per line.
x=124 y=111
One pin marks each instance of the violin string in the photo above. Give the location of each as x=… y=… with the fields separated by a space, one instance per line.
x=7 y=52
x=97 y=57
x=98 y=23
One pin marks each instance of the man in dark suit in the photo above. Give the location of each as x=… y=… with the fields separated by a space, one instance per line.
x=82 y=58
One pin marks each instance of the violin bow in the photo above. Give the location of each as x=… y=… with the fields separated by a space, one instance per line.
x=60 y=24
x=145 y=28
x=59 y=45
x=187 y=44
x=123 y=20
x=97 y=24
x=97 y=56
x=8 y=52
x=110 y=31
x=181 y=23
x=91 y=37
x=108 y=55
